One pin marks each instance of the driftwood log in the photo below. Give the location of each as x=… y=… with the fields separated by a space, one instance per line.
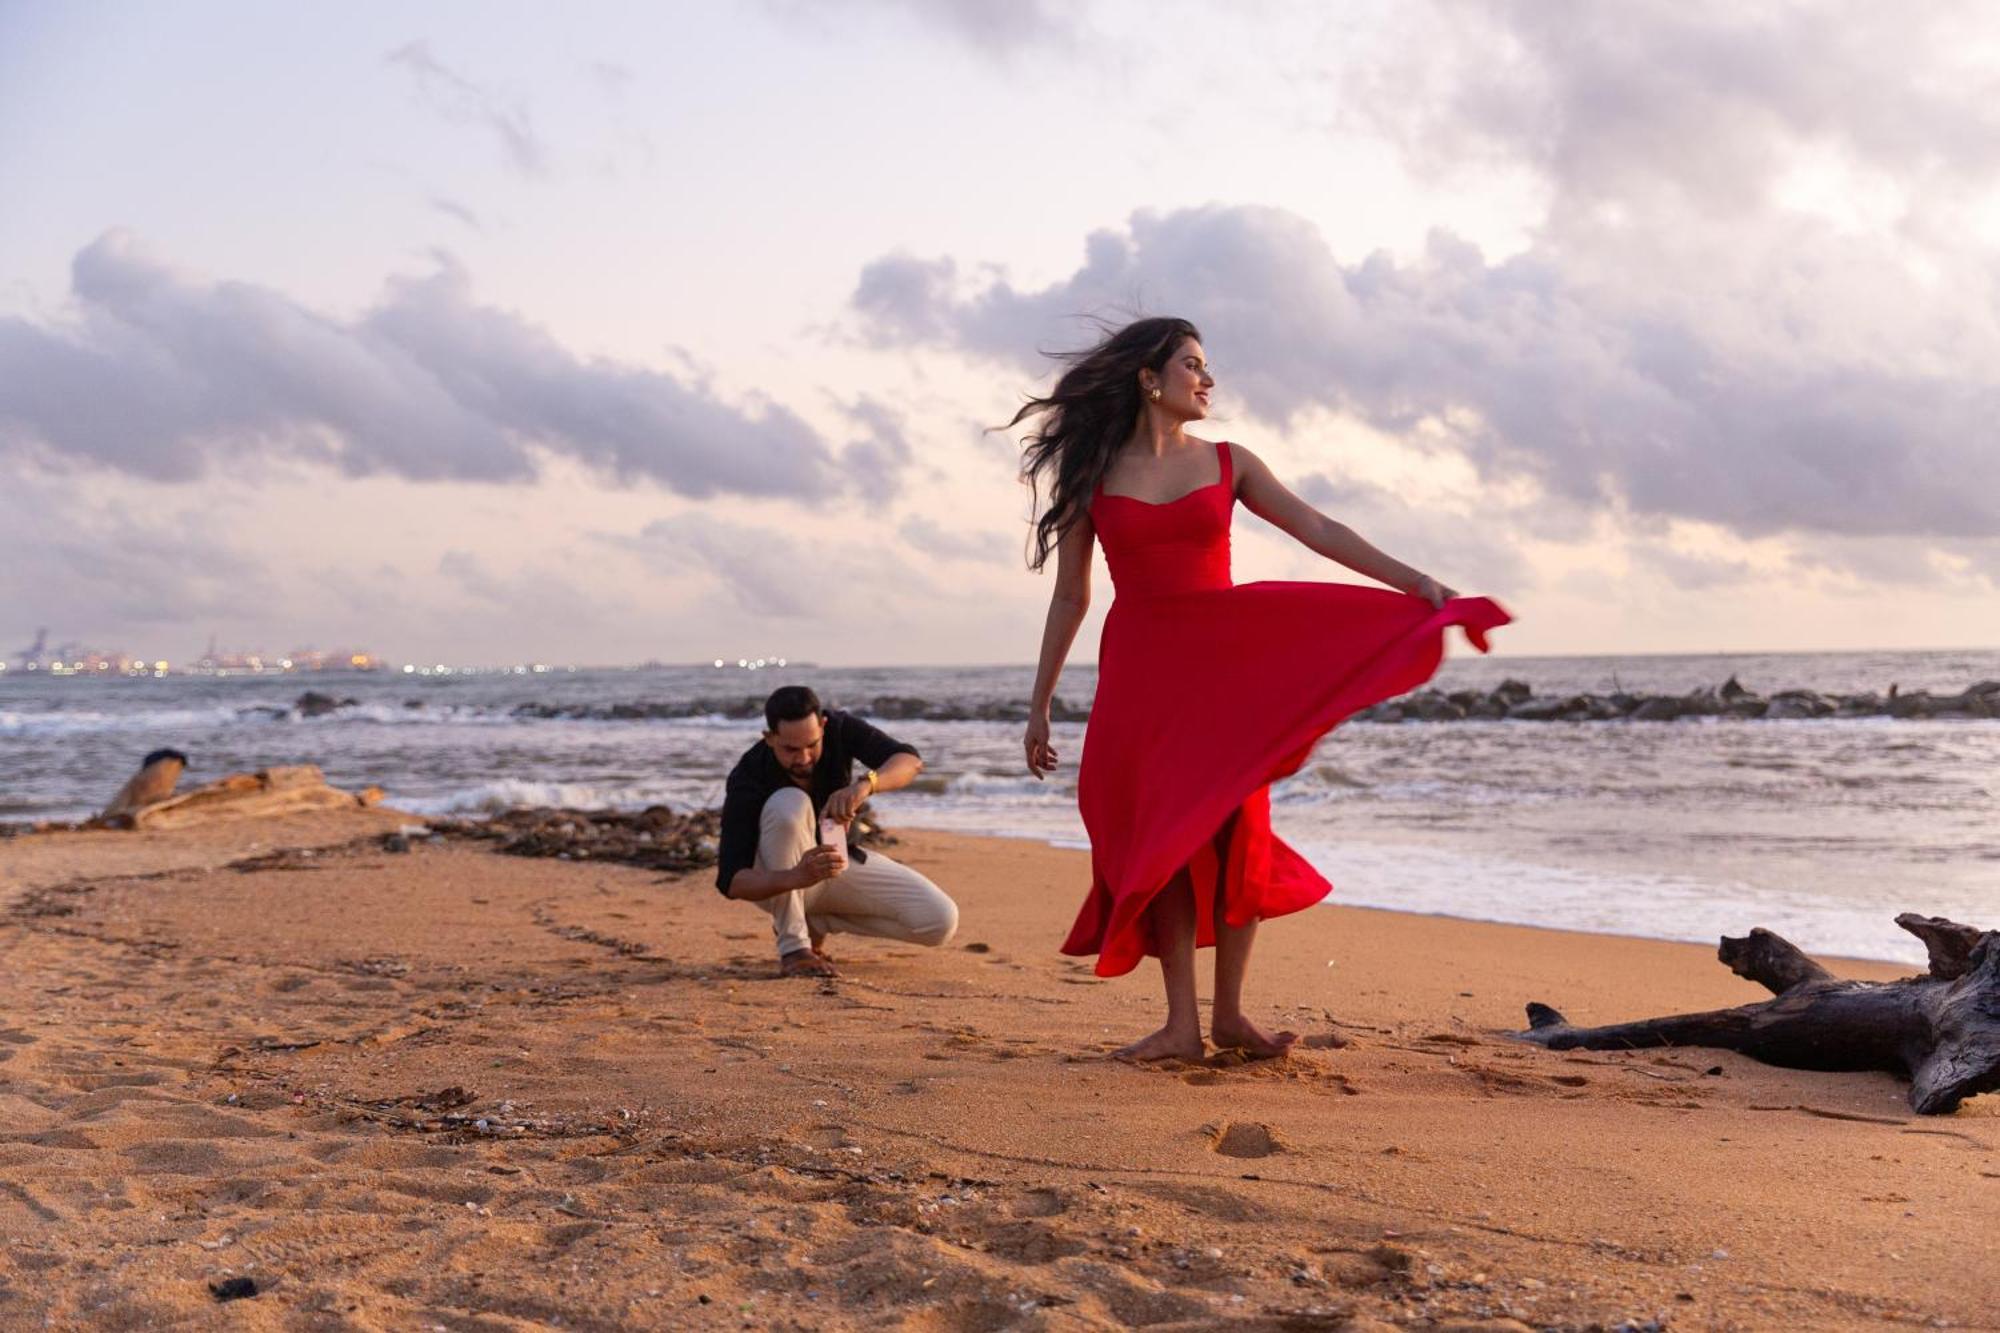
x=269 y=791
x=1940 y=1030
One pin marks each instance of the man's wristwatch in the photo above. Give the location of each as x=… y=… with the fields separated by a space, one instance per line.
x=874 y=780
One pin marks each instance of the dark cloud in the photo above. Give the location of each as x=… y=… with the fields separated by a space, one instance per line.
x=1689 y=572
x=463 y=102
x=556 y=598
x=611 y=76
x=997 y=28
x=766 y=573
x=1590 y=380
x=173 y=379
x=999 y=25
x=876 y=462
x=451 y=208
x=772 y=574
x=1871 y=561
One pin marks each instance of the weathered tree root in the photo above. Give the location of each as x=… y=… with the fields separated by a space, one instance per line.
x=1940 y=1030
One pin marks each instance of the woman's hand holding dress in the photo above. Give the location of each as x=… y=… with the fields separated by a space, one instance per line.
x=1437 y=594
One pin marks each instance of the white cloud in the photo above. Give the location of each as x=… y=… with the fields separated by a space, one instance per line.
x=1708 y=100
x=104 y=572
x=951 y=543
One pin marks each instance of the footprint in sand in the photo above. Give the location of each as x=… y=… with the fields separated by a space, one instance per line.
x=96 y=1082
x=1246 y=1138
x=1039 y=1203
x=1031 y=1242
x=824 y=1137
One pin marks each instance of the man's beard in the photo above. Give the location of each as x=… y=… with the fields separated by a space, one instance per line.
x=802 y=774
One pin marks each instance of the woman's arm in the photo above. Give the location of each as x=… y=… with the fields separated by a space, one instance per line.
x=1267 y=497
x=1068 y=604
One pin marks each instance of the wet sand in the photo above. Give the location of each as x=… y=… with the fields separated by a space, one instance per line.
x=221 y=1056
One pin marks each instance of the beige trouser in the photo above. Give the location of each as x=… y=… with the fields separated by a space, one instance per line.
x=876 y=897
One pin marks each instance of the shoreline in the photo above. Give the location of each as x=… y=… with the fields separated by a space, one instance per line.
x=1333 y=900
x=453 y=1087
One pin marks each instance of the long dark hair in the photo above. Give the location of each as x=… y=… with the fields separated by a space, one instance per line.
x=1086 y=419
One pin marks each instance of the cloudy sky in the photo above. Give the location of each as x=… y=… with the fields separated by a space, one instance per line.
x=600 y=333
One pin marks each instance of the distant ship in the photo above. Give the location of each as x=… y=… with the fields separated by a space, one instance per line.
x=758 y=663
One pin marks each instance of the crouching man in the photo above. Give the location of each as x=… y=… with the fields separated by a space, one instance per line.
x=771 y=854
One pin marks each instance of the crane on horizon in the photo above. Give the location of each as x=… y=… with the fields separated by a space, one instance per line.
x=34 y=652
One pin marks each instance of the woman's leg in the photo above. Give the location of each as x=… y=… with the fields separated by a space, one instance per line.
x=1172 y=918
x=1232 y=961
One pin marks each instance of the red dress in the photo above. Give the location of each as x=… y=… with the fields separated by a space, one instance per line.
x=1207 y=692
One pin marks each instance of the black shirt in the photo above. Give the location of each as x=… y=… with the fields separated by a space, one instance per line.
x=758 y=773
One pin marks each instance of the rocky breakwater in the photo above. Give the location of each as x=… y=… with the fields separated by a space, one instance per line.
x=744 y=708
x=1516 y=701
x=657 y=837
x=886 y=707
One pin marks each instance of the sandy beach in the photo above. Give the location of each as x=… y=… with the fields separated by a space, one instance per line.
x=454 y=1089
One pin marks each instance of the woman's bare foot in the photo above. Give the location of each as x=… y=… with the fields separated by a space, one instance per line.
x=1243 y=1035
x=1166 y=1044
x=805 y=963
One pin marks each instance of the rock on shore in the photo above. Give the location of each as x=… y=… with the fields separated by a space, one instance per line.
x=657 y=837
x=1516 y=701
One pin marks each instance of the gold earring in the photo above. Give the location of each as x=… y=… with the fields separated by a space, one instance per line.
x=1153 y=394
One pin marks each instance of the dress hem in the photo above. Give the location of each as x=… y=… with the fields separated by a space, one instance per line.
x=1402 y=665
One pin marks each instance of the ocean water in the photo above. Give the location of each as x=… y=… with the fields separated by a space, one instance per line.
x=1822 y=830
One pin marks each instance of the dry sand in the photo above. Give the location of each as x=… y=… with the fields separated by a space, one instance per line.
x=221 y=1058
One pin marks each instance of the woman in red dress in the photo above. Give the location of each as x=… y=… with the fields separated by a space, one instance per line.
x=1207 y=691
